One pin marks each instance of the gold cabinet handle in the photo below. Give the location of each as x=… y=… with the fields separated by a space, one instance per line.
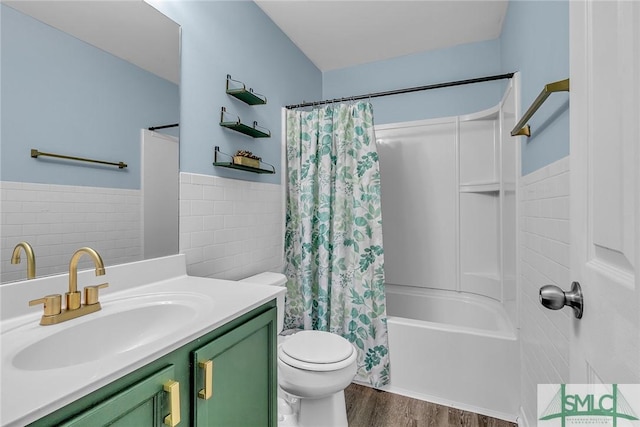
x=173 y=388
x=207 y=391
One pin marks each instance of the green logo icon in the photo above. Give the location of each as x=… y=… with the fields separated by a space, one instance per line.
x=588 y=406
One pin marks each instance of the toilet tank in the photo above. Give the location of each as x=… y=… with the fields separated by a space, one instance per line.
x=271 y=279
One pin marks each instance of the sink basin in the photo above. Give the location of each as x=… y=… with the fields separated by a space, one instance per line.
x=106 y=333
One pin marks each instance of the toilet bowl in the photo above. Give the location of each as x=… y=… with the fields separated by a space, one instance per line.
x=314 y=368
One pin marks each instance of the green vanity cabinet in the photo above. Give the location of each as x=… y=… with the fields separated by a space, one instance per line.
x=243 y=383
x=235 y=383
x=145 y=404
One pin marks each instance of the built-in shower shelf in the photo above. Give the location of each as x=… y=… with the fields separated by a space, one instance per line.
x=485 y=187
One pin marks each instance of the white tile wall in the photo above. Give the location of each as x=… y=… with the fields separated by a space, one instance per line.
x=58 y=219
x=544 y=244
x=230 y=229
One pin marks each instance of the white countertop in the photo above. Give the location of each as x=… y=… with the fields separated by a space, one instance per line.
x=29 y=394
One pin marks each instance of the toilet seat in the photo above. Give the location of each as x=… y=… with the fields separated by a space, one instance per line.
x=317 y=351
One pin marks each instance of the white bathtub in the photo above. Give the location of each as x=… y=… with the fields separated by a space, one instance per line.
x=455 y=349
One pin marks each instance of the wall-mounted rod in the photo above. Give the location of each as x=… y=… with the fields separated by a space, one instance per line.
x=164 y=126
x=35 y=153
x=524 y=129
x=406 y=90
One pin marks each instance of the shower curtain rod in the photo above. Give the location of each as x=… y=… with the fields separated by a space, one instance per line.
x=164 y=126
x=406 y=90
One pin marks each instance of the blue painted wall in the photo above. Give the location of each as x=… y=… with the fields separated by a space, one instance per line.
x=237 y=38
x=64 y=96
x=535 y=41
x=456 y=63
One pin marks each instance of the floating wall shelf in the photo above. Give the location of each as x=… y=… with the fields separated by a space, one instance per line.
x=254 y=131
x=233 y=165
x=248 y=96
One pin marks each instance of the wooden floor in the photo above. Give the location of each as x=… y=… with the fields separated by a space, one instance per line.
x=368 y=407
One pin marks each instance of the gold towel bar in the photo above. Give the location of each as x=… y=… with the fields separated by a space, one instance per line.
x=524 y=129
x=35 y=153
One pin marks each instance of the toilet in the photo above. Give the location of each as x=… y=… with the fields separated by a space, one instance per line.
x=314 y=368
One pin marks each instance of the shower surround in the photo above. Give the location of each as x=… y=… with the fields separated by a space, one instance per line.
x=449 y=205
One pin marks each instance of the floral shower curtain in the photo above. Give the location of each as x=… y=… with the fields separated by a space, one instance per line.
x=333 y=243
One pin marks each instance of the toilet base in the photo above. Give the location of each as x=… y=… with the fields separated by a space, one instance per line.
x=330 y=411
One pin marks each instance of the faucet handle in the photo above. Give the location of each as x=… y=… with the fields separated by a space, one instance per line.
x=91 y=293
x=52 y=304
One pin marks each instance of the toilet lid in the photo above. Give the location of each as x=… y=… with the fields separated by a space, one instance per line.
x=317 y=347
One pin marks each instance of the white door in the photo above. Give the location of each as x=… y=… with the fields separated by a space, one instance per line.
x=605 y=189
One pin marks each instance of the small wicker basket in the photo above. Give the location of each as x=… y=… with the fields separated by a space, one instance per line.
x=246 y=161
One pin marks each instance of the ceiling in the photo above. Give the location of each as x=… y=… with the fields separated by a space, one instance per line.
x=339 y=34
x=333 y=34
x=131 y=30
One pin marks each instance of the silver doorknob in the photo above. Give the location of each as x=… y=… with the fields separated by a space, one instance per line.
x=555 y=298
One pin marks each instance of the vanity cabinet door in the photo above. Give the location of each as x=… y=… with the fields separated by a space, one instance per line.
x=144 y=404
x=242 y=375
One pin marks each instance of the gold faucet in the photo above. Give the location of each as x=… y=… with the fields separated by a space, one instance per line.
x=73 y=296
x=31 y=258
x=53 y=312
